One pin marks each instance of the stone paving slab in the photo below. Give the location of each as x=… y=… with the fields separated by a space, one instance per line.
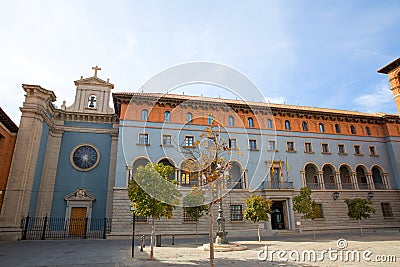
x=118 y=252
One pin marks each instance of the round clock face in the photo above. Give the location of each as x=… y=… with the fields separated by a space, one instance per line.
x=84 y=157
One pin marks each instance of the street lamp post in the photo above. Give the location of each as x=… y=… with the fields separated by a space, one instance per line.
x=221 y=234
x=133 y=230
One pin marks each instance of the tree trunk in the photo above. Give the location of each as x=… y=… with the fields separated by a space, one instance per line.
x=211 y=234
x=197 y=232
x=153 y=232
x=313 y=230
x=359 y=223
x=259 y=233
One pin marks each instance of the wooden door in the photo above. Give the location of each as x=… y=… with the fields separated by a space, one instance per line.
x=77 y=221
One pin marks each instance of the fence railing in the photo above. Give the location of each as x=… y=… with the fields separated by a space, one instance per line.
x=278 y=185
x=41 y=228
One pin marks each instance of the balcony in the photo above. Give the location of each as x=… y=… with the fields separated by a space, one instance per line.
x=314 y=186
x=330 y=186
x=379 y=186
x=347 y=186
x=278 y=185
x=363 y=186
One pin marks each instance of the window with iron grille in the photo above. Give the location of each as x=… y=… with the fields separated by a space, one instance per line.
x=187 y=218
x=386 y=209
x=140 y=219
x=236 y=212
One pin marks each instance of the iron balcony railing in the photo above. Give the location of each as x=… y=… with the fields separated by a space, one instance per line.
x=314 y=185
x=278 y=185
x=347 y=186
x=41 y=228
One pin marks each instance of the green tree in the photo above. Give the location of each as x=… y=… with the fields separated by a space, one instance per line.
x=359 y=208
x=257 y=210
x=152 y=195
x=305 y=205
x=193 y=206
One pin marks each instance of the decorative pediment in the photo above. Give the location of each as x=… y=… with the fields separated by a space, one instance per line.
x=94 y=81
x=80 y=195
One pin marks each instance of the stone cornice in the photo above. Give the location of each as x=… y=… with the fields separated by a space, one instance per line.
x=85 y=117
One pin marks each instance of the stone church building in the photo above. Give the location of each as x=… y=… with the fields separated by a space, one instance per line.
x=76 y=161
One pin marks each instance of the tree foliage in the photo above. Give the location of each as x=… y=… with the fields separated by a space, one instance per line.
x=359 y=208
x=151 y=193
x=193 y=204
x=305 y=205
x=257 y=208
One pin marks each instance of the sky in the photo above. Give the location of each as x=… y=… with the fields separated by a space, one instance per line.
x=309 y=53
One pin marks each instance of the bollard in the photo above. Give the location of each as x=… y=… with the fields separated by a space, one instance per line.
x=142 y=245
x=173 y=240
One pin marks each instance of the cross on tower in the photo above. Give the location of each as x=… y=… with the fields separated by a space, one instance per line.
x=95 y=70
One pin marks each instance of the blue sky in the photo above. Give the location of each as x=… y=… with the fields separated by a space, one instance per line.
x=313 y=53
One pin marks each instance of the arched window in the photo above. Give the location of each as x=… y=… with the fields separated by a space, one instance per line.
x=145 y=115
x=337 y=128
x=367 y=130
x=377 y=178
x=269 y=124
x=352 y=129
x=231 y=122
x=189 y=117
x=92 y=101
x=305 y=126
x=167 y=116
x=210 y=119
x=250 y=122
x=321 y=127
x=287 y=125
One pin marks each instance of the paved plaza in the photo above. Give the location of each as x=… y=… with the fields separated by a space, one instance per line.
x=385 y=245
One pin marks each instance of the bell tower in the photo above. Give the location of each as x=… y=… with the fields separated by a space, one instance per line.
x=92 y=95
x=393 y=71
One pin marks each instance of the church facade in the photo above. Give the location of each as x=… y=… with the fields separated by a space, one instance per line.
x=76 y=161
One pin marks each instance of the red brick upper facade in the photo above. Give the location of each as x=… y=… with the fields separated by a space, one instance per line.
x=8 y=136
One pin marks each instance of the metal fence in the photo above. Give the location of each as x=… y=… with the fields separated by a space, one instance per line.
x=41 y=228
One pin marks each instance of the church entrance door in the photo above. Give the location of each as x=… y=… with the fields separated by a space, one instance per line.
x=77 y=221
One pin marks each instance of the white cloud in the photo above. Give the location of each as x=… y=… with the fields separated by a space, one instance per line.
x=375 y=101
